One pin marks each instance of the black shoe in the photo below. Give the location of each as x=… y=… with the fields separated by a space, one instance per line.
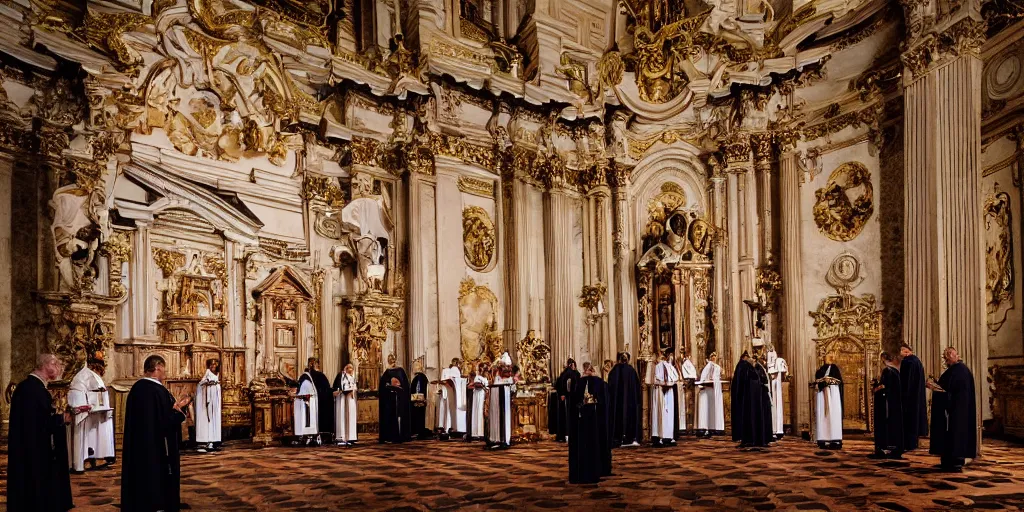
x=821 y=445
x=895 y=456
x=951 y=469
x=878 y=455
x=76 y=472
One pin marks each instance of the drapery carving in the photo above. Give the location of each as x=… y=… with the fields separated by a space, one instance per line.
x=844 y=205
x=478 y=318
x=999 y=275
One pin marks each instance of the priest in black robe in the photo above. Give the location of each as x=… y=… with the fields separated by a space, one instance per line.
x=418 y=406
x=748 y=409
x=393 y=397
x=765 y=390
x=325 y=401
x=888 y=395
x=590 y=455
x=954 y=414
x=151 y=470
x=915 y=401
x=625 y=401
x=563 y=390
x=38 y=478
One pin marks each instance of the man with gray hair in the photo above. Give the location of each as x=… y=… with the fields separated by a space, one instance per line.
x=38 y=477
x=954 y=414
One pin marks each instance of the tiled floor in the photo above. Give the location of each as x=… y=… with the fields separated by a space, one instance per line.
x=696 y=475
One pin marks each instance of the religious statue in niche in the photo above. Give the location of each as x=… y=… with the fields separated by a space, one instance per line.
x=76 y=235
x=478 y=239
x=843 y=206
x=666 y=317
x=367 y=222
x=478 y=321
x=998 y=258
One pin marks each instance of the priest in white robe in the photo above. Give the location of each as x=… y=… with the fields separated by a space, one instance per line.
x=208 y=395
x=710 y=409
x=777 y=370
x=476 y=402
x=499 y=435
x=92 y=434
x=687 y=376
x=305 y=411
x=828 y=405
x=663 y=403
x=345 y=407
x=451 y=403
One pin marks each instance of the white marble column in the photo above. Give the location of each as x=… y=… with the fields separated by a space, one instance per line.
x=561 y=298
x=142 y=279
x=6 y=170
x=733 y=294
x=719 y=218
x=623 y=271
x=797 y=348
x=944 y=260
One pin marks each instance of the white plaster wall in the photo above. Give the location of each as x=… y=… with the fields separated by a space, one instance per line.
x=819 y=251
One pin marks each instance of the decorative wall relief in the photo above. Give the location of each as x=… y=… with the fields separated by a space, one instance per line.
x=478 y=238
x=998 y=258
x=844 y=205
x=533 y=355
x=478 y=320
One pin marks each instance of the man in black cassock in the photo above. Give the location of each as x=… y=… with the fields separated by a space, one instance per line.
x=765 y=390
x=325 y=401
x=37 y=466
x=393 y=399
x=590 y=454
x=915 y=401
x=625 y=399
x=954 y=414
x=418 y=406
x=888 y=393
x=563 y=390
x=151 y=471
x=748 y=413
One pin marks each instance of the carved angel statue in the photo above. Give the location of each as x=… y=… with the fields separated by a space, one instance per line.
x=76 y=235
x=369 y=228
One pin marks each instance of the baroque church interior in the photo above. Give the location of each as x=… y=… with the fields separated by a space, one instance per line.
x=264 y=181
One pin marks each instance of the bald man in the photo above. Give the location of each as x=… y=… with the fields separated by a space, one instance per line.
x=38 y=477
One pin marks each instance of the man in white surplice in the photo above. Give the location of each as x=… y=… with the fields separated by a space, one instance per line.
x=92 y=436
x=208 y=407
x=710 y=411
x=305 y=411
x=687 y=375
x=345 y=420
x=828 y=405
x=499 y=421
x=478 y=388
x=451 y=403
x=777 y=371
x=663 y=403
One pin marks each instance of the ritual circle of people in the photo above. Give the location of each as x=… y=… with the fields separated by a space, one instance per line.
x=593 y=415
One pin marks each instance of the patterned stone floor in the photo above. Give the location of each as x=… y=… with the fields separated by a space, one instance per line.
x=696 y=475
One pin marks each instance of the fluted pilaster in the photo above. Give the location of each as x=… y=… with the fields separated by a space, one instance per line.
x=797 y=348
x=560 y=297
x=516 y=263
x=423 y=336
x=944 y=258
x=6 y=169
x=623 y=270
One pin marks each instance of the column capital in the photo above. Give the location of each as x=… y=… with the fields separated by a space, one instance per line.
x=956 y=36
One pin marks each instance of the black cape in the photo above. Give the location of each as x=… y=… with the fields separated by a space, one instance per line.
x=763 y=386
x=564 y=385
x=625 y=399
x=748 y=394
x=590 y=455
x=915 y=401
x=37 y=464
x=737 y=389
x=151 y=472
x=954 y=413
x=889 y=412
x=325 y=403
x=418 y=411
x=394 y=405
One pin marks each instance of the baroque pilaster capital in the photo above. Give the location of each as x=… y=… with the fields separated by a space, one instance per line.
x=960 y=36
